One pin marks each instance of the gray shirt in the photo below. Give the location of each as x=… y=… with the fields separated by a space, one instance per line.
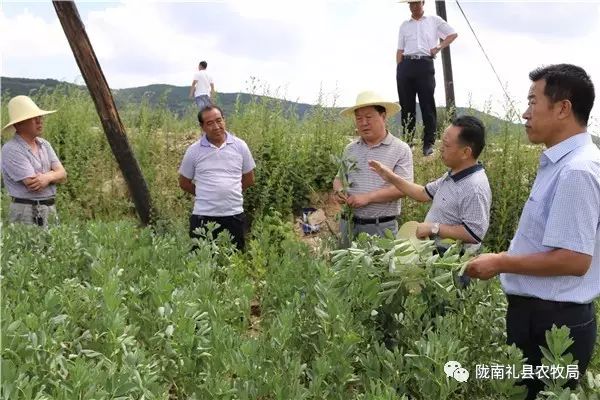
x=19 y=162
x=217 y=174
x=391 y=152
x=463 y=199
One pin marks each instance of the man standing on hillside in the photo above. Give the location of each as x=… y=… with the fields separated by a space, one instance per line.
x=551 y=271
x=30 y=167
x=216 y=170
x=415 y=72
x=203 y=87
x=375 y=203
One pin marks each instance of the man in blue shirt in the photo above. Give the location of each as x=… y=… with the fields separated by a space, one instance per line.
x=551 y=271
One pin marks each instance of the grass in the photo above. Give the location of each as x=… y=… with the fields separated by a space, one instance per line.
x=293 y=159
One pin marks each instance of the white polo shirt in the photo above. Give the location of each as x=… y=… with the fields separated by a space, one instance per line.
x=418 y=37
x=203 y=81
x=217 y=174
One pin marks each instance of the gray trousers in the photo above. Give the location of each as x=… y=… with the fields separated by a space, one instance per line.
x=32 y=214
x=203 y=101
x=371 y=229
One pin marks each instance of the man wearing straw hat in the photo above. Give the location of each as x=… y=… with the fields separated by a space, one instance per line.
x=374 y=203
x=30 y=167
x=415 y=72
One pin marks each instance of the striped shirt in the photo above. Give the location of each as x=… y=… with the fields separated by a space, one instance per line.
x=19 y=162
x=562 y=212
x=463 y=199
x=391 y=152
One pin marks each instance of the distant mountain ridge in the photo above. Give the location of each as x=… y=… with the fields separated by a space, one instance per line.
x=176 y=98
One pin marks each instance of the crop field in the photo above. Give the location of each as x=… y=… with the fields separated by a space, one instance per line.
x=98 y=307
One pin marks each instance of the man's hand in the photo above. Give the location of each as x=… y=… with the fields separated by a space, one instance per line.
x=424 y=230
x=358 y=200
x=485 y=266
x=435 y=50
x=38 y=182
x=384 y=172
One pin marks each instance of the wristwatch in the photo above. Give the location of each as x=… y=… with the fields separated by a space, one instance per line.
x=435 y=229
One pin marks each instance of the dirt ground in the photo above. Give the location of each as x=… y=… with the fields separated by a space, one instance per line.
x=329 y=228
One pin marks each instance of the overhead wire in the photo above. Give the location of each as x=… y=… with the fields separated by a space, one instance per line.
x=508 y=98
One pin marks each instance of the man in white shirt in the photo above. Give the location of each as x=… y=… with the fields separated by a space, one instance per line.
x=203 y=87
x=415 y=72
x=216 y=170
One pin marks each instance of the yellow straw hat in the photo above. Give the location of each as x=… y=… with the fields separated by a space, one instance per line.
x=370 y=98
x=21 y=108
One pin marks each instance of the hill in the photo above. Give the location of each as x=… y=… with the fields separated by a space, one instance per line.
x=177 y=100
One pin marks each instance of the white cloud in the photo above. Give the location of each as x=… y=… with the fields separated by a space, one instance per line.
x=28 y=36
x=341 y=47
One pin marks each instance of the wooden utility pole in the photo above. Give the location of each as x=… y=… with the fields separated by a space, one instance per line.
x=105 y=106
x=440 y=8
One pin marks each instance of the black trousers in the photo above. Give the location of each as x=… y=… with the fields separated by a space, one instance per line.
x=235 y=224
x=417 y=78
x=527 y=321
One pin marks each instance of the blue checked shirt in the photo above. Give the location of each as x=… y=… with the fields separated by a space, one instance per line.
x=563 y=211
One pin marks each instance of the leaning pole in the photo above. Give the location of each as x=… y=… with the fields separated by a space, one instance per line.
x=105 y=106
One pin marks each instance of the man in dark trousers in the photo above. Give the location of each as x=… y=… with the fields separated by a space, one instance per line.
x=551 y=271
x=216 y=169
x=415 y=73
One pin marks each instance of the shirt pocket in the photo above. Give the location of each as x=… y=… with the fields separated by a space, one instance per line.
x=533 y=219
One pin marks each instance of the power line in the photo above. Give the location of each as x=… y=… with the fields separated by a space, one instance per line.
x=512 y=106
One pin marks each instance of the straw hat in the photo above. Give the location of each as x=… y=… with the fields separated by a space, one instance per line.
x=21 y=108
x=370 y=98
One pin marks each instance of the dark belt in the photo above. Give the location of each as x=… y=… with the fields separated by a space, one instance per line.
x=370 y=221
x=44 y=202
x=418 y=57
x=515 y=300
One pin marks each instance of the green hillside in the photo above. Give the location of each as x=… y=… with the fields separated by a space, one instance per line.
x=176 y=99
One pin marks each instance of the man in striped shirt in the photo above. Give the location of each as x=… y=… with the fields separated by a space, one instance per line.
x=551 y=271
x=374 y=203
x=461 y=198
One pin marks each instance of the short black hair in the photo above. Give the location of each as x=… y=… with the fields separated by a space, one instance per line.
x=568 y=82
x=472 y=133
x=379 y=109
x=209 y=108
x=203 y=64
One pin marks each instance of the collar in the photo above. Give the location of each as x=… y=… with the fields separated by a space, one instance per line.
x=417 y=20
x=205 y=143
x=387 y=140
x=22 y=141
x=555 y=153
x=466 y=172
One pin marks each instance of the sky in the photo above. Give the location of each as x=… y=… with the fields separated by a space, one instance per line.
x=307 y=51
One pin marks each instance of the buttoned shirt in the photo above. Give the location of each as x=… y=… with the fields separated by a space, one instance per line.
x=562 y=212
x=391 y=152
x=217 y=174
x=418 y=37
x=463 y=199
x=19 y=162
